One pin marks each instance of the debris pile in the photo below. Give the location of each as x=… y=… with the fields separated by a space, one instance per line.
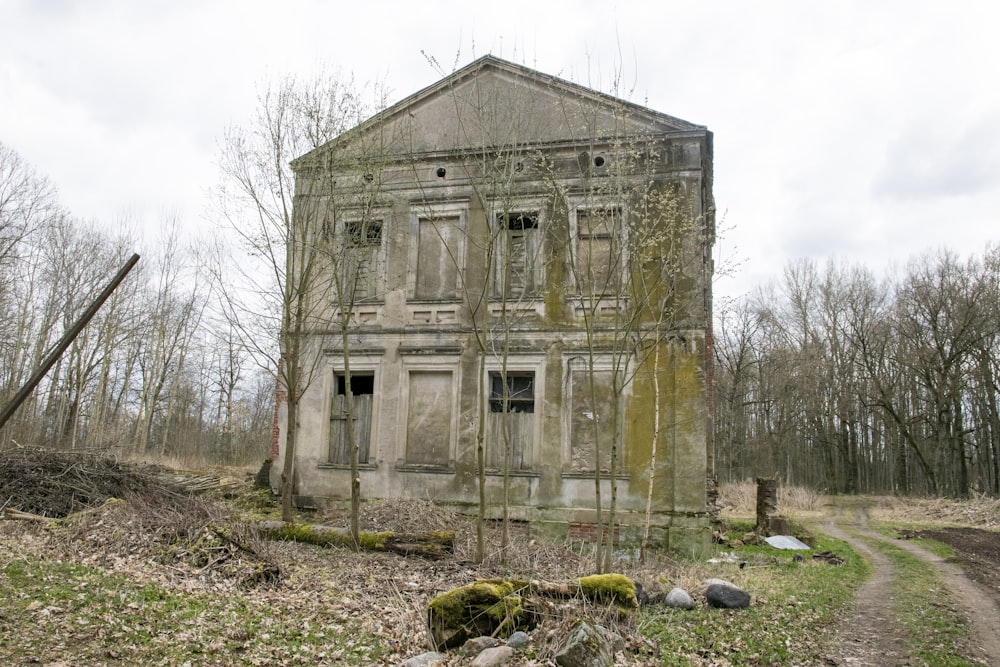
x=55 y=484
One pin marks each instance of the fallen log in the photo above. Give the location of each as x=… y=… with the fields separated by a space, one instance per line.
x=498 y=607
x=18 y=515
x=434 y=544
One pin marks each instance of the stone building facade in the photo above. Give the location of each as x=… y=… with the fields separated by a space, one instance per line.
x=521 y=266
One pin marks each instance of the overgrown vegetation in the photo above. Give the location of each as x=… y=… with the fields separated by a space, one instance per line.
x=140 y=581
x=794 y=604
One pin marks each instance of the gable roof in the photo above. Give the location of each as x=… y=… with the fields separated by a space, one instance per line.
x=494 y=102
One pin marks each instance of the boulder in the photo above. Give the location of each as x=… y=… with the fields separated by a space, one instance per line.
x=590 y=645
x=722 y=594
x=678 y=598
x=519 y=640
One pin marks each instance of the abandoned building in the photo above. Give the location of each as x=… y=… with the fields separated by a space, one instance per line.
x=514 y=261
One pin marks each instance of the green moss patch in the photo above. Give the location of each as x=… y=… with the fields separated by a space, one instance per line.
x=610 y=588
x=491 y=607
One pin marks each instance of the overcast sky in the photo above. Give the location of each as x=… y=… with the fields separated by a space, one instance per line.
x=865 y=130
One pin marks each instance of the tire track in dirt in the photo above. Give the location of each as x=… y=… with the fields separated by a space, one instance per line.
x=871 y=634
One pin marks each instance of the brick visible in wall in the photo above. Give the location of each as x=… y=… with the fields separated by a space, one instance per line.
x=587 y=532
x=279 y=398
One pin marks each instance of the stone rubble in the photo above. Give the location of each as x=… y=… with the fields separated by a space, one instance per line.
x=590 y=644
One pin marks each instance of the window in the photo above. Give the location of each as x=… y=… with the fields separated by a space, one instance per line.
x=362 y=234
x=598 y=263
x=511 y=422
x=363 y=392
x=517 y=396
x=439 y=256
x=362 y=254
x=518 y=265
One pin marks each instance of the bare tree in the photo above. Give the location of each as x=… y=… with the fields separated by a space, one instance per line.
x=27 y=203
x=175 y=306
x=273 y=293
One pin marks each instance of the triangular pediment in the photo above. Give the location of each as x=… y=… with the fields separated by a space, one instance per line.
x=496 y=103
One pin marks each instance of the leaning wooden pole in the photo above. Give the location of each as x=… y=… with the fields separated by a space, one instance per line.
x=65 y=342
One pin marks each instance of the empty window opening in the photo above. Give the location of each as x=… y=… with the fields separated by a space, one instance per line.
x=360 y=384
x=518 y=221
x=519 y=270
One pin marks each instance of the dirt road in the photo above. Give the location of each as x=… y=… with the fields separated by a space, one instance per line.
x=871 y=635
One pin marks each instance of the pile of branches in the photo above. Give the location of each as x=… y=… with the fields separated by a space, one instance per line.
x=161 y=519
x=55 y=484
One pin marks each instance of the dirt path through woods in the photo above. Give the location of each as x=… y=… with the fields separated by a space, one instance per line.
x=871 y=633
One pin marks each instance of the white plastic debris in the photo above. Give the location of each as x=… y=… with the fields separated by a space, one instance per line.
x=786 y=542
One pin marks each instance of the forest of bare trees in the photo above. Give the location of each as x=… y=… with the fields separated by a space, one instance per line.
x=153 y=374
x=837 y=379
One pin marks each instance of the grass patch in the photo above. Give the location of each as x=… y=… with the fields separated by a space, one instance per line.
x=936 y=632
x=56 y=611
x=794 y=605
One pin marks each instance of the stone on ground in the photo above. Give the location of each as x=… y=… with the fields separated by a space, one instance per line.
x=678 y=598
x=493 y=657
x=722 y=594
x=590 y=646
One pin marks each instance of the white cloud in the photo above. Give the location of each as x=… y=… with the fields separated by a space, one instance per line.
x=866 y=130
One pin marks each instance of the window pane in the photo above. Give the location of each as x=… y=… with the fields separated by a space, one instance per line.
x=520 y=395
x=598 y=264
x=510 y=426
x=361 y=255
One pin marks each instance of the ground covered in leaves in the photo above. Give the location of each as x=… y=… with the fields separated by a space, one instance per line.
x=145 y=572
x=135 y=570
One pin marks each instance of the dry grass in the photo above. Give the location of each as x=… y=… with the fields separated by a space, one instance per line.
x=739 y=499
x=978 y=512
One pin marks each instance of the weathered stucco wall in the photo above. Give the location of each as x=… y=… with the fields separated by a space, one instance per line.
x=416 y=337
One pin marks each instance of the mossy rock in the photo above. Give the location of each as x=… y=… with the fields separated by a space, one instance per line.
x=609 y=588
x=491 y=608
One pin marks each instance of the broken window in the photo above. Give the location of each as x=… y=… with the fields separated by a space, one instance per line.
x=439 y=256
x=518 y=265
x=511 y=422
x=598 y=263
x=363 y=391
x=362 y=254
x=429 y=418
